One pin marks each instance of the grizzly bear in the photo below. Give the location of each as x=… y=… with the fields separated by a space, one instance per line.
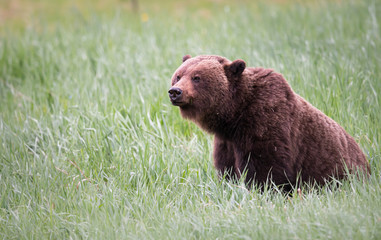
x=261 y=127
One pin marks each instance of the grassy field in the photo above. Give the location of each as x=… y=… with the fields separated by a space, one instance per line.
x=91 y=148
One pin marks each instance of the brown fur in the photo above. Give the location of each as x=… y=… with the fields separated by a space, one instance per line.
x=260 y=125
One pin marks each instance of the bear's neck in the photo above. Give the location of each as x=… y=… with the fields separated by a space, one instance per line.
x=226 y=123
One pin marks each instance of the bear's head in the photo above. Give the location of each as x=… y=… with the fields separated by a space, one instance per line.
x=204 y=87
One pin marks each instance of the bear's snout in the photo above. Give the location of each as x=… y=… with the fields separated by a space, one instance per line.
x=175 y=94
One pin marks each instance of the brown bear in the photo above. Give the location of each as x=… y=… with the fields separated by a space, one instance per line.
x=261 y=126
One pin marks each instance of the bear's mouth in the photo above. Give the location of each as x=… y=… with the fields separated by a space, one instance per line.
x=178 y=103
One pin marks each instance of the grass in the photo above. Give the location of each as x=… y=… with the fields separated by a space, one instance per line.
x=91 y=148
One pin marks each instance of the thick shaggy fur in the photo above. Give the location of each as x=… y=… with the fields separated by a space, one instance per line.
x=260 y=125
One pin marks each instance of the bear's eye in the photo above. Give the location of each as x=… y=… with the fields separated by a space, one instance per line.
x=178 y=77
x=196 y=79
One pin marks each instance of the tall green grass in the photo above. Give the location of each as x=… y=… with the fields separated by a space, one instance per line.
x=91 y=148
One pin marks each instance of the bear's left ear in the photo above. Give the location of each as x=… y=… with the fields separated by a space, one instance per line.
x=237 y=67
x=186 y=57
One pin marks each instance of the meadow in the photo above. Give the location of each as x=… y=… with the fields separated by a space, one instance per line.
x=91 y=148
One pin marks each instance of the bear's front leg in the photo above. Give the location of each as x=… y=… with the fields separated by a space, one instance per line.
x=224 y=159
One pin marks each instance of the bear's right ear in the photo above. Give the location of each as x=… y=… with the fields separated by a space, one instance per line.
x=237 y=67
x=186 y=57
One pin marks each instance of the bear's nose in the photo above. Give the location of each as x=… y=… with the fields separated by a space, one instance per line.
x=175 y=93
